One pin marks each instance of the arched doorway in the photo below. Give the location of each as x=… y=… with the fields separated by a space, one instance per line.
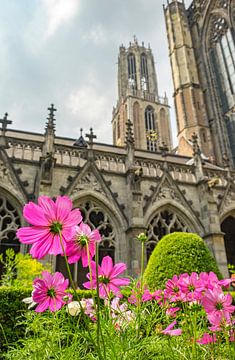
x=9 y=223
x=228 y=227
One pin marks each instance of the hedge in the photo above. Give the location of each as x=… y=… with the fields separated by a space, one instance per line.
x=175 y=254
x=12 y=309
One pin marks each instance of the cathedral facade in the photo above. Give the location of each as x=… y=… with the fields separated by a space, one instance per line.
x=140 y=184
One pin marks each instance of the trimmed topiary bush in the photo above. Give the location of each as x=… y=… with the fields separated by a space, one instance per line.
x=175 y=254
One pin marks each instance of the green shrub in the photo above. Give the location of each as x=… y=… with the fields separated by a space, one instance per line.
x=178 y=253
x=12 y=309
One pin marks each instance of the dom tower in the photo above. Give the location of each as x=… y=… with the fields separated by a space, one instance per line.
x=202 y=53
x=138 y=100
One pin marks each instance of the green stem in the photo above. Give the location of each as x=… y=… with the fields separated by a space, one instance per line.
x=99 y=331
x=74 y=288
x=67 y=266
x=89 y=266
x=142 y=267
x=141 y=285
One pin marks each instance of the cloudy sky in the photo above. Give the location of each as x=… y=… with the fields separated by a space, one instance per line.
x=65 y=52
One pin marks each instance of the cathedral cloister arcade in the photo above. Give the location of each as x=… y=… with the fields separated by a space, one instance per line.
x=10 y=221
x=166 y=218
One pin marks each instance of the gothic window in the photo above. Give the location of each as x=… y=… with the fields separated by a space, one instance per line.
x=164 y=222
x=97 y=218
x=150 y=129
x=136 y=122
x=222 y=55
x=203 y=135
x=131 y=71
x=9 y=223
x=144 y=72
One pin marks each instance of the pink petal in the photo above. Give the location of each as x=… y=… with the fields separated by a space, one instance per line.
x=120 y=282
x=63 y=207
x=32 y=234
x=48 y=207
x=84 y=229
x=107 y=265
x=35 y=215
x=43 y=306
x=73 y=218
x=117 y=270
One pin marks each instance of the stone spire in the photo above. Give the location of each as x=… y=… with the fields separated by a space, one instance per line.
x=80 y=142
x=4 y=122
x=91 y=136
x=50 y=125
x=197 y=158
x=48 y=147
x=130 y=141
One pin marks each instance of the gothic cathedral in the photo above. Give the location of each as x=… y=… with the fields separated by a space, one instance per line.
x=140 y=183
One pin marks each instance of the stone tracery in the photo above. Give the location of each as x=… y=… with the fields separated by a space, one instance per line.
x=97 y=218
x=9 y=223
x=163 y=223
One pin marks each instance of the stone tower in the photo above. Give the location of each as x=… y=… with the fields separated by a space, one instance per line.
x=190 y=107
x=139 y=102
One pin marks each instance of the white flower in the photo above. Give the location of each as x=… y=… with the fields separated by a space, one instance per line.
x=30 y=302
x=74 y=307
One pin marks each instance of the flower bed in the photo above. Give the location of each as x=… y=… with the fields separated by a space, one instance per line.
x=191 y=317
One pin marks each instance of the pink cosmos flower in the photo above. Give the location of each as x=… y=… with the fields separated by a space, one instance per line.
x=172 y=311
x=148 y=296
x=170 y=331
x=191 y=286
x=77 y=247
x=120 y=314
x=173 y=291
x=207 y=339
x=108 y=277
x=215 y=301
x=209 y=280
x=48 y=219
x=49 y=292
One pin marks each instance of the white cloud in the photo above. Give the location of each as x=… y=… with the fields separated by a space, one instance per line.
x=59 y=12
x=87 y=103
x=96 y=35
x=48 y=17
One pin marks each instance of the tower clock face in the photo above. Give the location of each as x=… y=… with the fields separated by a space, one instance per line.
x=152 y=135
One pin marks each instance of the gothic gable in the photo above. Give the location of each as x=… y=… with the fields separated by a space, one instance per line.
x=168 y=190
x=9 y=178
x=90 y=179
x=228 y=197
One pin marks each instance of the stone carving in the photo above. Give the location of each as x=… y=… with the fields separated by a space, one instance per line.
x=47 y=167
x=4 y=174
x=88 y=182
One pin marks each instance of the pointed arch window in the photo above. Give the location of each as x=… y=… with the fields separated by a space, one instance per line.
x=132 y=71
x=150 y=128
x=9 y=223
x=222 y=56
x=163 y=223
x=144 y=72
x=97 y=218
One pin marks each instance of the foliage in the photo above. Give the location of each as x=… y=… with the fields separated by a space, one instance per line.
x=13 y=310
x=9 y=268
x=20 y=269
x=178 y=253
